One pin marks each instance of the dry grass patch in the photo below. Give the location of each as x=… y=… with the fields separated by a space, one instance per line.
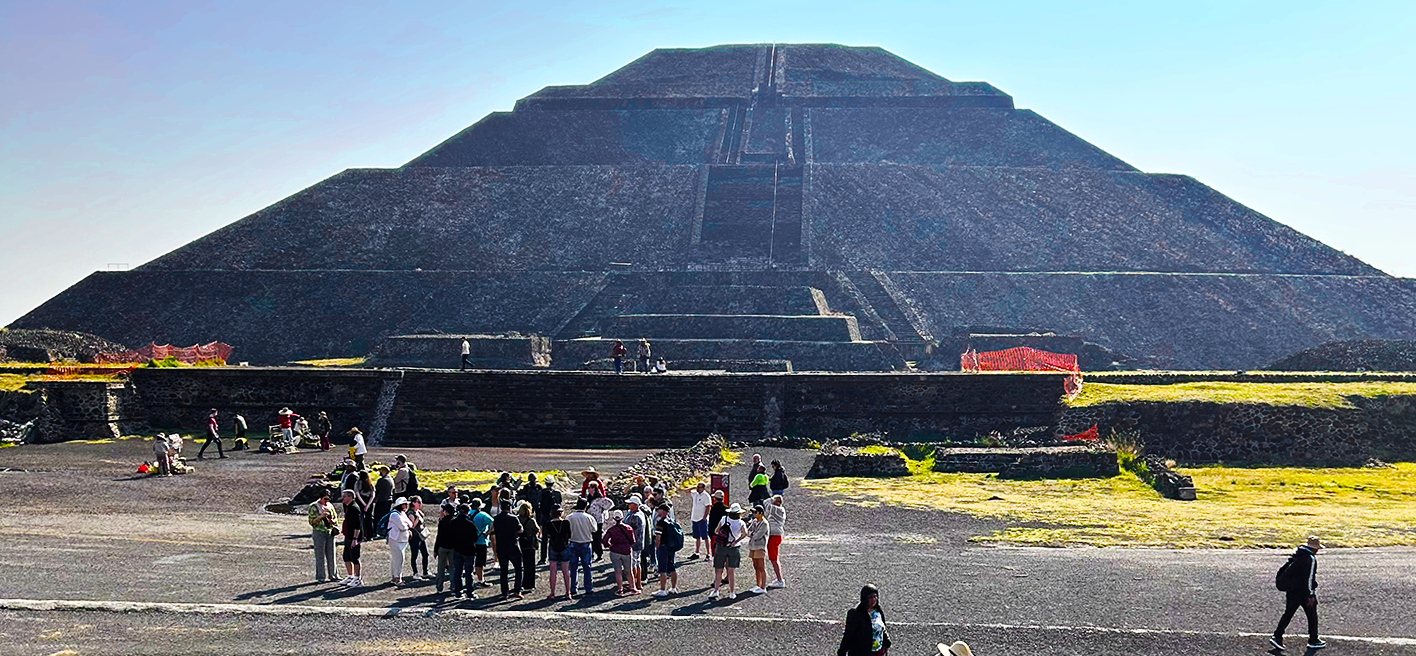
x=1237 y=507
x=1308 y=395
x=478 y=480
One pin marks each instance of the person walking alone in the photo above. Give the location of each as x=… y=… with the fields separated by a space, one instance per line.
x=211 y=436
x=865 y=633
x=582 y=532
x=466 y=355
x=353 y=530
x=323 y=528
x=1299 y=581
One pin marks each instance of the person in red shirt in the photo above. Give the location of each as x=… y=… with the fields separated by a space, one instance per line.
x=211 y=436
x=287 y=425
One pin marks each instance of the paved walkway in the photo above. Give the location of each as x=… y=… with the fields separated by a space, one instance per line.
x=195 y=551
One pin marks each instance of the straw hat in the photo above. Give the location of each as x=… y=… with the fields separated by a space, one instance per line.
x=590 y=473
x=959 y=648
x=285 y=411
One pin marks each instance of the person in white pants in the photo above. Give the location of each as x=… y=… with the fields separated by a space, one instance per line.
x=399 y=531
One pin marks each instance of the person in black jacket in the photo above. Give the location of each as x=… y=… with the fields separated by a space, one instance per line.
x=779 y=479
x=462 y=538
x=442 y=543
x=550 y=502
x=1302 y=591
x=865 y=627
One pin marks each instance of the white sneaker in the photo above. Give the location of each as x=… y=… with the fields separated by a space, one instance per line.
x=673 y=591
x=757 y=590
x=732 y=595
x=346 y=580
x=353 y=583
x=661 y=593
x=713 y=594
x=779 y=583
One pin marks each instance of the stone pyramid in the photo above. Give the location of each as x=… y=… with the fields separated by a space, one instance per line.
x=838 y=207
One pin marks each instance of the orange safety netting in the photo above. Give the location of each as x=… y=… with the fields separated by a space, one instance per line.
x=1023 y=358
x=189 y=354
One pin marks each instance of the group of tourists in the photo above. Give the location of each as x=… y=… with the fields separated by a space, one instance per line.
x=515 y=527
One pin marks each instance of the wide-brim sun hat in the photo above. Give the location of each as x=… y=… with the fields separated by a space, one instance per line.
x=959 y=648
x=718 y=494
x=285 y=411
x=589 y=471
x=735 y=508
x=400 y=501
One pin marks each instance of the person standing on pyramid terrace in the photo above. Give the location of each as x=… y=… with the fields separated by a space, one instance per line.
x=466 y=355
x=1298 y=579
x=617 y=353
x=211 y=436
x=644 y=355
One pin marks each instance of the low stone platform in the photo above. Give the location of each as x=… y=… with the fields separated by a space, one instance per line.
x=833 y=462
x=1081 y=461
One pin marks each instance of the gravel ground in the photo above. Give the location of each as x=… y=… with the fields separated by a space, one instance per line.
x=78 y=526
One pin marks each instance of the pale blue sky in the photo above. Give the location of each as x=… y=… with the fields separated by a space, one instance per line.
x=130 y=128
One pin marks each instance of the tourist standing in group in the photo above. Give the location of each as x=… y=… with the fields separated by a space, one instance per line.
x=699 y=519
x=530 y=491
x=530 y=532
x=551 y=501
x=383 y=501
x=466 y=355
x=591 y=480
x=643 y=356
x=482 y=522
x=350 y=480
x=286 y=419
x=442 y=542
x=865 y=633
x=599 y=508
x=506 y=542
x=639 y=532
x=212 y=435
x=716 y=513
x=398 y=529
x=779 y=479
x=353 y=529
x=323 y=528
x=358 y=448
x=323 y=428
x=582 y=532
x=558 y=551
x=619 y=537
x=668 y=539
x=759 y=490
x=366 y=503
x=777 y=526
x=727 y=553
x=462 y=539
x=1299 y=581
x=617 y=353
x=417 y=538
x=757 y=533
x=403 y=476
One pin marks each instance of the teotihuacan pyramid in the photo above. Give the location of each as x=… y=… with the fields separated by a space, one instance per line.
x=835 y=206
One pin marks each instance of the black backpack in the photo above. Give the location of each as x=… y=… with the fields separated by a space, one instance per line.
x=1288 y=577
x=412 y=488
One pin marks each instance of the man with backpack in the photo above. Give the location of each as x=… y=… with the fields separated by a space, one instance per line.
x=1298 y=579
x=668 y=539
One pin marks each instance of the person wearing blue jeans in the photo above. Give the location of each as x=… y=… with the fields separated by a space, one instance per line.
x=582 y=533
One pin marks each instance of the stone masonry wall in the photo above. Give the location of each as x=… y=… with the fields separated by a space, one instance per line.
x=1382 y=427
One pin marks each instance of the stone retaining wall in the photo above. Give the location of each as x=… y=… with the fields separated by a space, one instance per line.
x=1079 y=461
x=1380 y=427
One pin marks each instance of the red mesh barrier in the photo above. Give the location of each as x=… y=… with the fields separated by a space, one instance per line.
x=1023 y=358
x=1088 y=435
x=188 y=354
